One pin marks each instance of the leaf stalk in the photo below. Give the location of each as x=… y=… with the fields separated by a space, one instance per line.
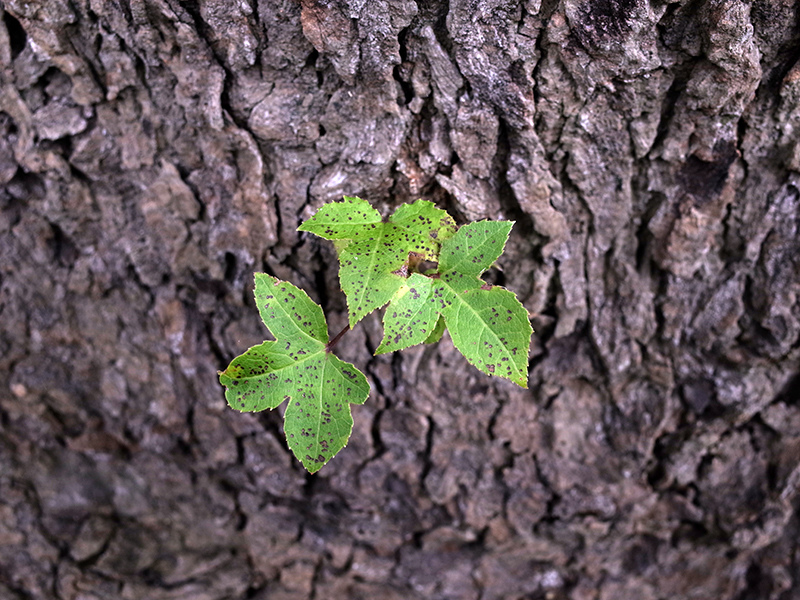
x=336 y=339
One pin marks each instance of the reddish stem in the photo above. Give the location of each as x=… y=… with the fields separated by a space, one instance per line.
x=335 y=340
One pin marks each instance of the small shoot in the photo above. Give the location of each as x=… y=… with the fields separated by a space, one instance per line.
x=428 y=273
x=374 y=263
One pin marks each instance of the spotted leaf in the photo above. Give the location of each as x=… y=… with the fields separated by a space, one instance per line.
x=438 y=331
x=343 y=220
x=475 y=247
x=409 y=319
x=488 y=326
x=373 y=265
x=298 y=369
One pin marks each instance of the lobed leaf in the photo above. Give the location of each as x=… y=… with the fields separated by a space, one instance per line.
x=318 y=420
x=297 y=368
x=290 y=314
x=409 y=319
x=475 y=247
x=488 y=324
x=373 y=265
x=342 y=220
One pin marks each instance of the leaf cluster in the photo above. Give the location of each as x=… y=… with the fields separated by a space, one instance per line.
x=425 y=270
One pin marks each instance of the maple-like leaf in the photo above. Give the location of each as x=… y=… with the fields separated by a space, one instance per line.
x=487 y=324
x=410 y=319
x=374 y=264
x=297 y=368
x=475 y=247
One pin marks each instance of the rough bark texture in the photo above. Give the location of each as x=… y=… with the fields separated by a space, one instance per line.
x=154 y=153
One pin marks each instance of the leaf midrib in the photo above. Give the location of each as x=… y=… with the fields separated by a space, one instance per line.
x=465 y=264
x=371 y=272
x=294 y=364
x=300 y=330
x=486 y=325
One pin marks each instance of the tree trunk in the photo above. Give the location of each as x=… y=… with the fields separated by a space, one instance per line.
x=155 y=153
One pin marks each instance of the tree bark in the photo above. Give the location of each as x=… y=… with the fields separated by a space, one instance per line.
x=155 y=153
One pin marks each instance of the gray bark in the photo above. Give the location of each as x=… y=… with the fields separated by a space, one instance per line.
x=154 y=153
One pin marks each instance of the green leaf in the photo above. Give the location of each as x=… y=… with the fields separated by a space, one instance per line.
x=318 y=422
x=297 y=368
x=290 y=314
x=432 y=224
x=374 y=265
x=343 y=220
x=370 y=274
x=409 y=319
x=475 y=247
x=488 y=326
x=438 y=331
